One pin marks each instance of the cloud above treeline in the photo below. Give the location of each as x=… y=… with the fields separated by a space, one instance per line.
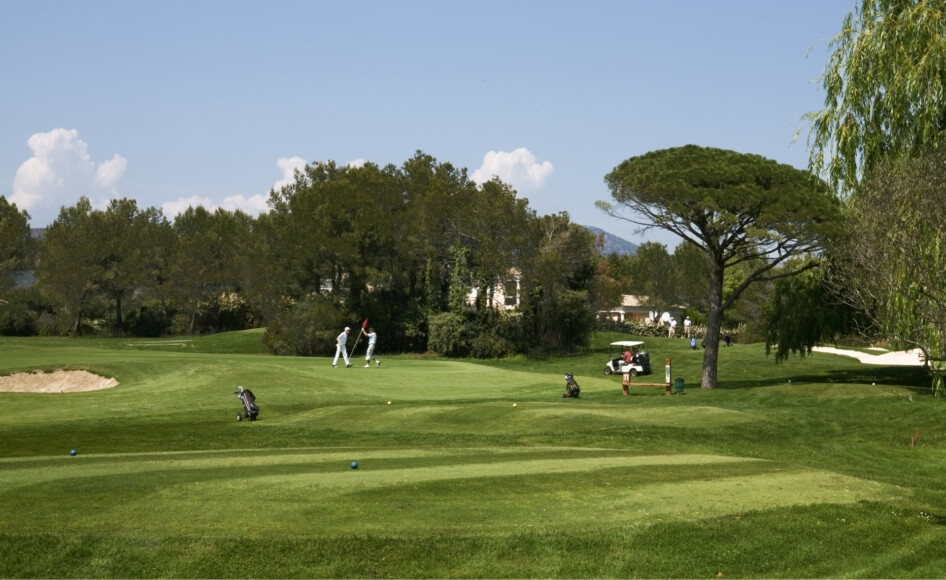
x=62 y=170
x=253 y=205
x=519 y=168
x=288 y=166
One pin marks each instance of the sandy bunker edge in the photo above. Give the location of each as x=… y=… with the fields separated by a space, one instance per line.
x=59 y=381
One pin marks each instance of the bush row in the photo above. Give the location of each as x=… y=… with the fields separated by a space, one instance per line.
x=640 y=328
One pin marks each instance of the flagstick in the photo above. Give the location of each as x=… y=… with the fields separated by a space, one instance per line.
x=360 y=332
x=356 y=343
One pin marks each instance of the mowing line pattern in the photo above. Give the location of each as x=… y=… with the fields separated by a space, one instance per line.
x=394 y=491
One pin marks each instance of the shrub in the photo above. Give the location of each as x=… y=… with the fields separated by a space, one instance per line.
x=228 y=311
x=448 y=335
x=486 y=334
x=150 y=322
x=181 y=323
x=308 y=328
x=277 y=339
x=578 y=321
x=635 y=327
x=48 y=324
x=489 y=345
x=558 y=322
x=16 y=319
x=638 y=328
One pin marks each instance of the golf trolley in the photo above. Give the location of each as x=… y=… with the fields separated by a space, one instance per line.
x=572 y=390
x=250 y=409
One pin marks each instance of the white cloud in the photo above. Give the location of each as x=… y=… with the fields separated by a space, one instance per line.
x=172 y=209
x=61 y=171
x=518 y=168
x=254 y=205
x=288 y=166
x=109 y=172
x=356 y=163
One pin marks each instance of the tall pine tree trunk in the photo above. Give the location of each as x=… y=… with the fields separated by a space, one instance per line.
x=714 y=323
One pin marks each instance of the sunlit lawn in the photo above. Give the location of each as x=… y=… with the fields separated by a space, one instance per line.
x=474 y=469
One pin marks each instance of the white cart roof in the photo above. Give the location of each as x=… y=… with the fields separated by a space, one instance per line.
x=627 y=343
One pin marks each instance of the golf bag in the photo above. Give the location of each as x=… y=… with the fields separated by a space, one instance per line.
x=572 y=390
x=250 y=409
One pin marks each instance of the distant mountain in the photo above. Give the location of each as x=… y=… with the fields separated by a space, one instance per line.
x=612 y=243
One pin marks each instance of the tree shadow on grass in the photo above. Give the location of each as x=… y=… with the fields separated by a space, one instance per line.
x=912 y=377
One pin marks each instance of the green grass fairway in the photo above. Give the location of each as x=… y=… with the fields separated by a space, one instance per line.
x=475 y=469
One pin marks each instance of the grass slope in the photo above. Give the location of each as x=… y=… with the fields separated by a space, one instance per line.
x=761 y=477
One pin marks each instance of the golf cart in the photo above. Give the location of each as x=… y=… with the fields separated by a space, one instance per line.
x=640 y=360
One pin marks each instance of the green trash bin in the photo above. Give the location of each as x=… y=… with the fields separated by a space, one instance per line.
x=678 y=385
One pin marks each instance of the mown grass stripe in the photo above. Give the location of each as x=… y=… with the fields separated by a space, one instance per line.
x=451 y=464
x=486 y=498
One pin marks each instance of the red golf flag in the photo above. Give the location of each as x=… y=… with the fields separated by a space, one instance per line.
x=365 y=323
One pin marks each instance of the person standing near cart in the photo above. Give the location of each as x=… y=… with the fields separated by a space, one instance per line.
x=341 y=347
x=626 y=370
x=372 y=339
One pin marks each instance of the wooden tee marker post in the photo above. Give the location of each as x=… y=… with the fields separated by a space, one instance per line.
x=665 y=384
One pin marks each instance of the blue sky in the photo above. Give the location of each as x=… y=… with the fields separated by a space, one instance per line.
x=214 y=102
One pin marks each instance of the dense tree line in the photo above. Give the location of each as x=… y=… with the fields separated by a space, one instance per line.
x=400 y=246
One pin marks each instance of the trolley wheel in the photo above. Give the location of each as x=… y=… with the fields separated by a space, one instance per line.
x=239 y=417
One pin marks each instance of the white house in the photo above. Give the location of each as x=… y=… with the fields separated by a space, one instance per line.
x=633 y=309
x=503 y=295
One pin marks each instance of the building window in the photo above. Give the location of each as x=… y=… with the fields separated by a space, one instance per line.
x=511 y=292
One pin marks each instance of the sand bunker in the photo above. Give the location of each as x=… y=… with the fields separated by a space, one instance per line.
x=54 y=382
x=895 y=358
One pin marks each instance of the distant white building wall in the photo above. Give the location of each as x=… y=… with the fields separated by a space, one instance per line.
x=633 y=309
x=503 y=295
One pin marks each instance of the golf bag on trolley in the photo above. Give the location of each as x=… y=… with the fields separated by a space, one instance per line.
x=572 y=390
x=250 y=409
